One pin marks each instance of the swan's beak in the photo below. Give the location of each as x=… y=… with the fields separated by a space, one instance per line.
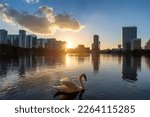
x=85 y=78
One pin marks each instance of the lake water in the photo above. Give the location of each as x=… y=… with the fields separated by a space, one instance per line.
x=108 y=76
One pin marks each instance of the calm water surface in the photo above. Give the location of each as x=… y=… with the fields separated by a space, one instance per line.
x=108 y=76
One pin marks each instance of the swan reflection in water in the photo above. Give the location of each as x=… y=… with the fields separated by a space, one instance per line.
x=69 y=96
x=68 y=89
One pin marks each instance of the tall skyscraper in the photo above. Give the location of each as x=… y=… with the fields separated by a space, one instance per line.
x=29 y=41
x=41 y=42
x=3 y=36
x=13 y=40
x=34 y=41
x=128 y=34
x=22 y=38
x=96 y=44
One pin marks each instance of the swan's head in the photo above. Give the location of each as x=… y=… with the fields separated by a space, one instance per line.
x=83 y=75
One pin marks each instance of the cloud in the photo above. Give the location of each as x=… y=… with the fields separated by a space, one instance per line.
x=66 y=21
x=32 y=1
x=44 y=21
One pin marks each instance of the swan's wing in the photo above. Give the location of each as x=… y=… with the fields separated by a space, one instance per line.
x=64 y=79
x=70 y=84
x=64 y=89
x=61 y=88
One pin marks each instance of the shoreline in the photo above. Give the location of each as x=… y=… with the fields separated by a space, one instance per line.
x=11 y=50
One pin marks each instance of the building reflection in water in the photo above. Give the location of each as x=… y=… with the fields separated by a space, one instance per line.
x=147 y=61
x=119 y=59
x=22 y=65
x=130 y=66
x=96 y=62
x=4 y=66
x=26 y=63
x=82 y=57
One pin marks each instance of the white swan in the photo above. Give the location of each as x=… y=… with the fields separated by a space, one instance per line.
x=68 y=86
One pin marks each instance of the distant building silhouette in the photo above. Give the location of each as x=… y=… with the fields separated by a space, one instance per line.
x=147 y=45
x=82 y=49
x=3 y=36
x=53 y=44
x=41 y=43
x=34 y=41
x=128 y=34
x=119 y=46
x=136 y=44
x=96 y=44
x=22 y=38
x=31 y=41
x=13 y=40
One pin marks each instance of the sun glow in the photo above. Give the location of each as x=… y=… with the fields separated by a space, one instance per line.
x=69 y=44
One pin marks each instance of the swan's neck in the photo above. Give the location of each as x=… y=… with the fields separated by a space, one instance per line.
x=81 y=82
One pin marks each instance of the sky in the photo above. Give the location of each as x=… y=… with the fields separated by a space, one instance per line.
x=76 y=21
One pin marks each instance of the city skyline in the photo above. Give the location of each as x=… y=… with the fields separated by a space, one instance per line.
x=129 y=41
x=30 y=41
x=102 y=17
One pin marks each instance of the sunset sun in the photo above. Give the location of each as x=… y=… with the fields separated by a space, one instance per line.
x=69 y=45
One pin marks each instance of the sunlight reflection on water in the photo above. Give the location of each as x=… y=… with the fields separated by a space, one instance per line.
x=109 y=76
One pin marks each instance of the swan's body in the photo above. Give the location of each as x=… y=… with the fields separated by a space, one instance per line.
x=68 y=86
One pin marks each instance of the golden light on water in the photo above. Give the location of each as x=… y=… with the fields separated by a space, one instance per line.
x=67 y=60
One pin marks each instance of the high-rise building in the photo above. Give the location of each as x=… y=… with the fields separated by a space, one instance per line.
x=30 y=41
x=34 y=37
x=51 y=43
x=3 y=36
x=136 y=44
x=41 y=43
x=96 y=44
x=147 y=46
x=61 y=45
x=13 y=40
x=128 y=34
x=22 y=38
